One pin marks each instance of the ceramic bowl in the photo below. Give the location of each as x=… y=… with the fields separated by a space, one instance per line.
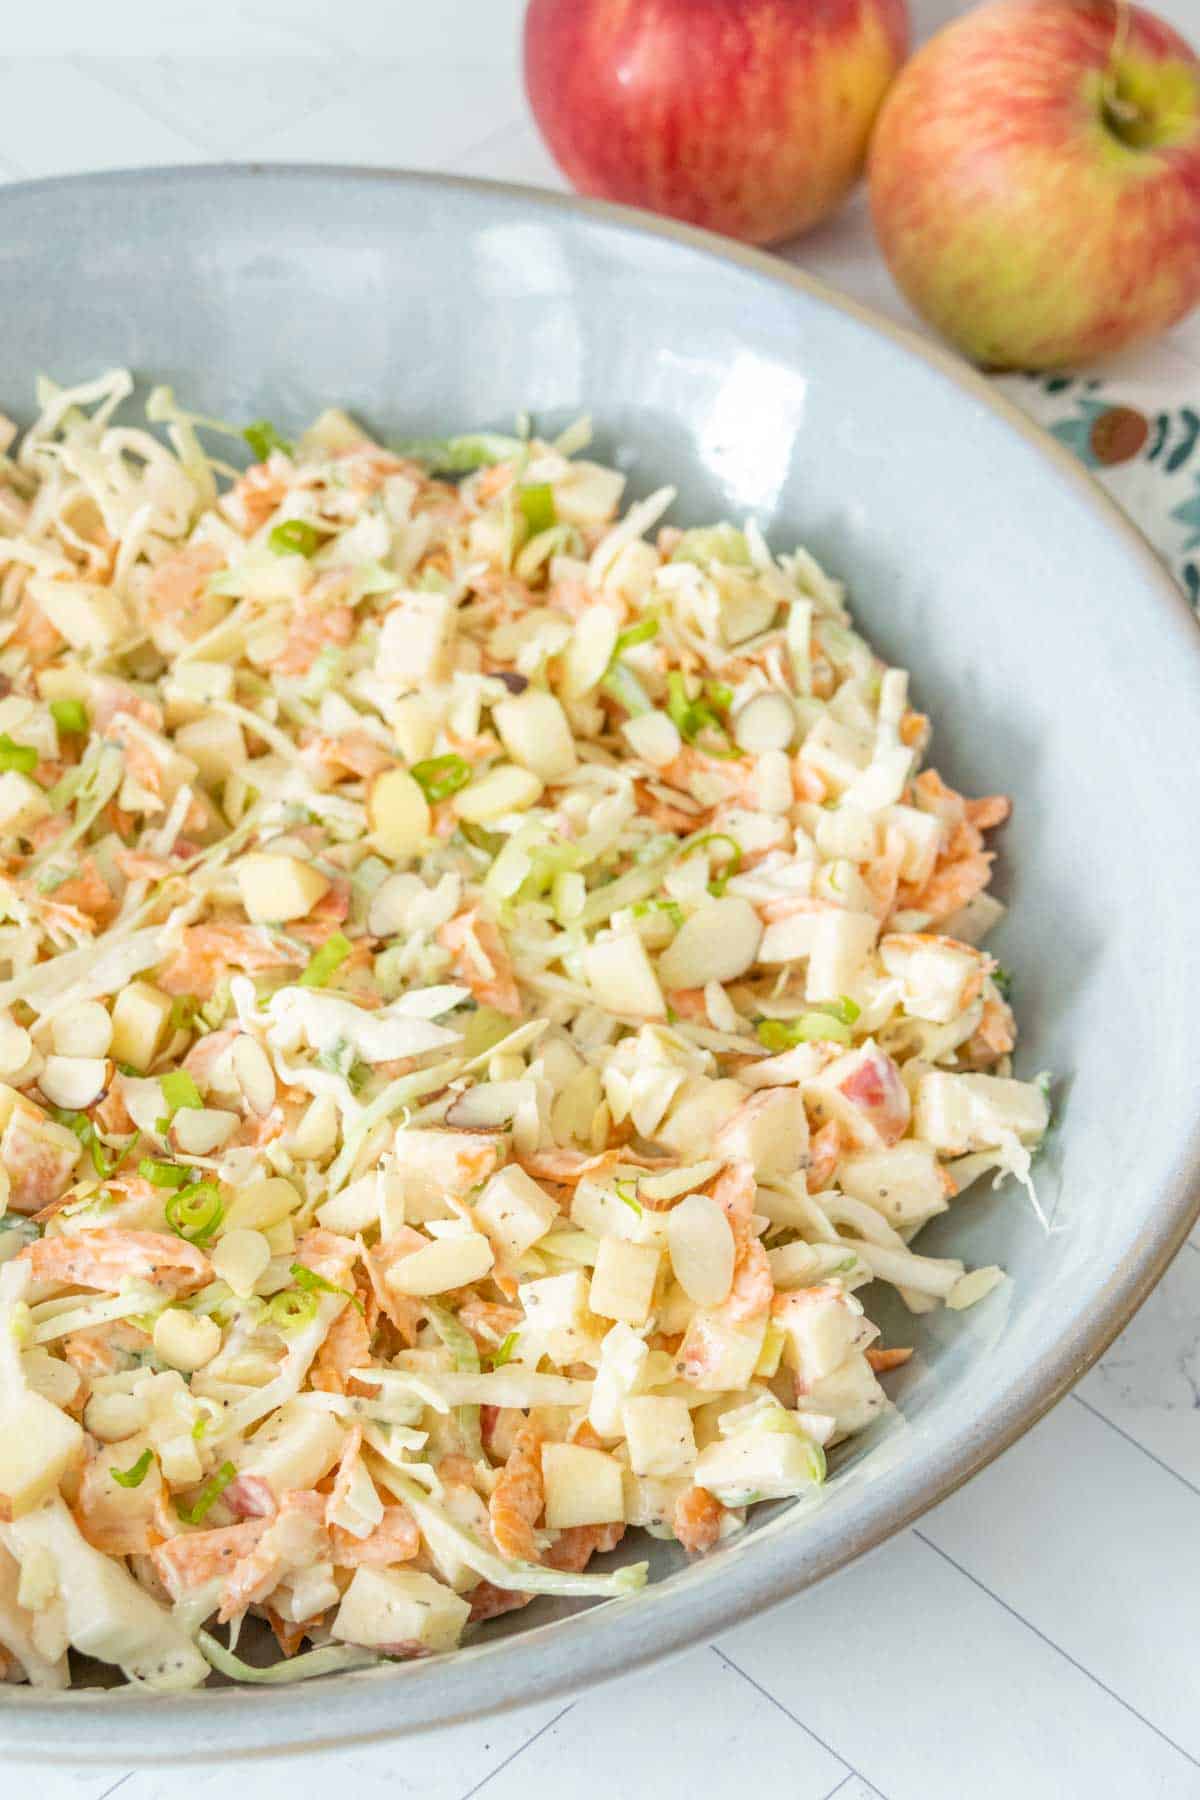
x=1058 y=661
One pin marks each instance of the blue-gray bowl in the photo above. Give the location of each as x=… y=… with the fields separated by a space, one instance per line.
x=1057 y=659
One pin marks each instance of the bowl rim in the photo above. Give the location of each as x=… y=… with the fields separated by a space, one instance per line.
x=558 y=1659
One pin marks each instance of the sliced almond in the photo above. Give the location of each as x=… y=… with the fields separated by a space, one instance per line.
x=654 y=737
x=199 y=1130
x=768 y=722
x=504 y=789
x=316 y=1135
x=16 y=1046
x=489 y=1105
x=702 y=1250
x=83 y=1030
x=718 y=942
x=590 y=651
x=673 y=1182
x=254 y=1074
x=398 y=814
x=75 y=1082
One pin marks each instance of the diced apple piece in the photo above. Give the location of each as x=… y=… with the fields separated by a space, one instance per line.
x=534 y=730
x=89 y=616
x=514 y=1211
x=822 y=1326
x=850 y=1395
x=922 y=836
x=140 y=1017
x=399 y=1608
x=556 y=1314
x=37 y=1155
x=863 y=1091
x=769 y=1130
x=216 y=744
x=108 y=1615
x=659 y=1433
x=432 y=1164
x=939 y=977
x=622 y=977
x=719 y=1353
x=697 y=1113
x=835 y=752
x=276 y=889
x=903 y=1183
x=619 y=1370
x=788 y=940
x=294 y=1448
x=38 y=1444
x=444 y=1263
x=398 y=814
x=623 y=1281
x=415 y=639
x=717 y=943
x=959 y=1113
x=583 y=1487
x=22 y=803
x=839 y=955
x=759 y=1465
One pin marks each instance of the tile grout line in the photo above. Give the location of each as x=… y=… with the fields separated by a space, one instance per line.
x=831 y=1795
x=806 y=1729
x=119 y=1782
x=1050 y=1643
x=512 y=1757
x=1133 y=1442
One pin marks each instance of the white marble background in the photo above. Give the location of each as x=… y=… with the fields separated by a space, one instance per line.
x=1037 y=1635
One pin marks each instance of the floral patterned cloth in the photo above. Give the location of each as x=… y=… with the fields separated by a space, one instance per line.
x=1141 y=439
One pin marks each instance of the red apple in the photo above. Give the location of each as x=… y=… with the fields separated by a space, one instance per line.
x=1035 y=180
x=750 y=117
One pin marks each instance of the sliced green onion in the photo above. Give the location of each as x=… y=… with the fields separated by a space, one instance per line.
x=184 y=1008
x=537 y=506
x=810 y=1028
x=312 y=1283
x=69 y=715
x=136 y=1473
x=691 y=717
x=505 y=1353
x=626 y=1194
x=671 y=908
x=22 y=757
x=262 y=438
x=294 y=537
x=291 y=1309
x=843 y=1009
x=324 y=962
x=641 y=633
x=208 y=1496
x=459 y=455
x=627 y=690
x=1002 y=981
x=103 y=1164
x=163 y=1174
x=180 y=1090
x=195 y=1212
x=440 y=776
x=720 y=694
x=733 y=861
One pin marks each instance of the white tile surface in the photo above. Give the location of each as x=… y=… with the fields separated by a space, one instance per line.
x=1037 y=1638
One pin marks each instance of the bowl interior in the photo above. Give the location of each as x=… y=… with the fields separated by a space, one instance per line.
x=1049 y=650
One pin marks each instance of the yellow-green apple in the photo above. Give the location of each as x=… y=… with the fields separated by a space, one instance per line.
x=1035 y=180
x=750 y=117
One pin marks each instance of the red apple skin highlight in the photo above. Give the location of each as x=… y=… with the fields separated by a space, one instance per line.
x=1013 y=216
x=750 y=117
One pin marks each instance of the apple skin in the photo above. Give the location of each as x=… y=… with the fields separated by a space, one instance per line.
x=1013 y=216
x=749 y=117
